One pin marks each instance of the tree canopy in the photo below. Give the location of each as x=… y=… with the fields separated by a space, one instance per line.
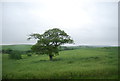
x=49 y=41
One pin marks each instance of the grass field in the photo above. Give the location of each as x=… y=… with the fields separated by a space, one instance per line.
x=84 y=63
x=17 y=47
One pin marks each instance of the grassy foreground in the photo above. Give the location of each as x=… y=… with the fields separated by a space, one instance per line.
x=84 y=63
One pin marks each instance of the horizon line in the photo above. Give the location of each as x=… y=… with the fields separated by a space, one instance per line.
x=62 y=45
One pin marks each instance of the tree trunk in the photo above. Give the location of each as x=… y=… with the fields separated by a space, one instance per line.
x=50 y=56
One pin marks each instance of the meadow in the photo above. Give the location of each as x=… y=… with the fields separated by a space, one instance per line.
x=82 y=63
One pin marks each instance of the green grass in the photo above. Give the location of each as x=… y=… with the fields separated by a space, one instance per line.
x=85 y=63
x=17 y=47
x=0 y=66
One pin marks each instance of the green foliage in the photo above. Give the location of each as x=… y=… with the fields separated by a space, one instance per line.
x=85 y=63
x=29 y=54
x=8 y=51
x=62 y=48
x=49 y=41
x=15 y=55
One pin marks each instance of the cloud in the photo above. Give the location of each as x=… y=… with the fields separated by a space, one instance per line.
x=92 y=23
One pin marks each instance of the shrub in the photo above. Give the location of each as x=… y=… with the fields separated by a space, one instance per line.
x=15 y=55
x=29 y=51
x=8 y=51
x=29 y=54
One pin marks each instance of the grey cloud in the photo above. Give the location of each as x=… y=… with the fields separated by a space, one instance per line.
x=18 y=22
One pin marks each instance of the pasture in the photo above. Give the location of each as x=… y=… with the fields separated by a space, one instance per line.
x=82 y=63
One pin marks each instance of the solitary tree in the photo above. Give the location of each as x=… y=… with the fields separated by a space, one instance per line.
x=49 y=41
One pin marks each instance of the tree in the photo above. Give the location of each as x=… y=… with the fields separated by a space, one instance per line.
x=49 y=41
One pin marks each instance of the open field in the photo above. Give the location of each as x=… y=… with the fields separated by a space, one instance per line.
x=84 y=63
x=17 y=47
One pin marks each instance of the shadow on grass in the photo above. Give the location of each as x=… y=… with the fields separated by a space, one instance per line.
x=58 y=59
x=41 y=61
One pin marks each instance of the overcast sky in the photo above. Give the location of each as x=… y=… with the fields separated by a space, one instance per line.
x=87 y=22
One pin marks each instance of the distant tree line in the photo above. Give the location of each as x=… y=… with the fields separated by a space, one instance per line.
x=8 y=51
x=16 y=54
x=61 y=48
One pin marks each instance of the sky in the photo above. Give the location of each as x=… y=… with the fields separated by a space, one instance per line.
x=88 y=22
